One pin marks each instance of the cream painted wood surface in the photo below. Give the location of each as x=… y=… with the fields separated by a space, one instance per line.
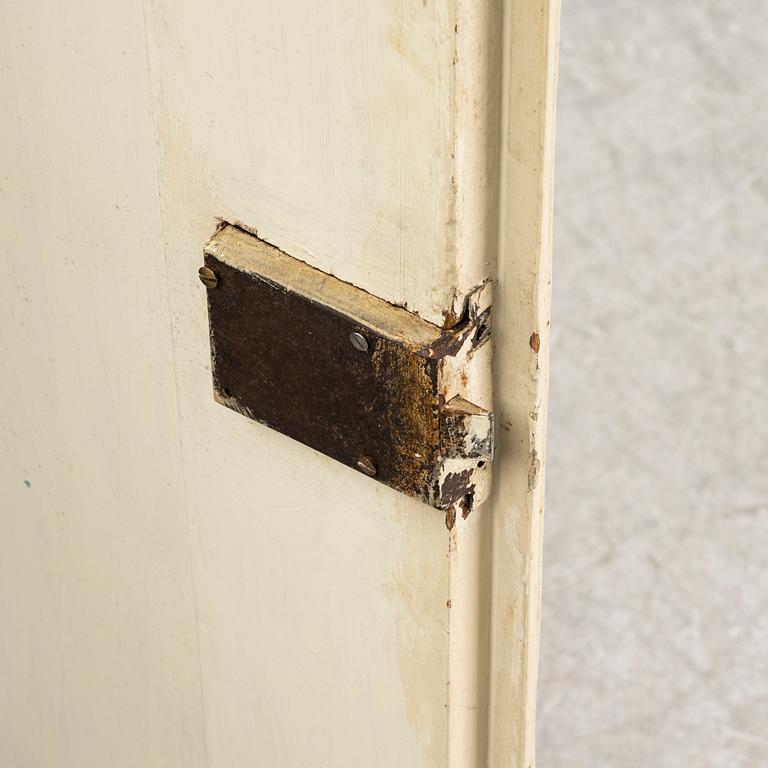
x=521 y=330
x=180 y=586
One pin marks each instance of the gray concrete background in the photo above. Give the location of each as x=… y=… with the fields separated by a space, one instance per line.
x=655 y=626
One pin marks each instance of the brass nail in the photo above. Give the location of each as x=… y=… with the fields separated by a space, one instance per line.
x=366 y=465
x=208 y=277
x=359 y=342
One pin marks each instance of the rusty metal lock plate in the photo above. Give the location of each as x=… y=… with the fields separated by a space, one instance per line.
x=348 y=374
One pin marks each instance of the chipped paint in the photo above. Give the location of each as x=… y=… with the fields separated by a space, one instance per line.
x=533 y=470
x=467 y=423
x=468 y=442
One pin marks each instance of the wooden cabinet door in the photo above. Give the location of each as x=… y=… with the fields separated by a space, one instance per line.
x=181 y=586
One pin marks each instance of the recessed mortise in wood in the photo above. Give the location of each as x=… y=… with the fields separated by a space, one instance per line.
x=365 y=382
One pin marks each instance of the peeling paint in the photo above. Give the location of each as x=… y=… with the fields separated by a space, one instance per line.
x=533 y=470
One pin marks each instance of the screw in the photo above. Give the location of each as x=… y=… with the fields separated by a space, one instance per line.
x=359 y=341
x=207 y=277
x=366 y=466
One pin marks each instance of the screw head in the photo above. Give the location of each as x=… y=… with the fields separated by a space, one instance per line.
x=359 y=341
x=207 y=277
x=367 y=466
